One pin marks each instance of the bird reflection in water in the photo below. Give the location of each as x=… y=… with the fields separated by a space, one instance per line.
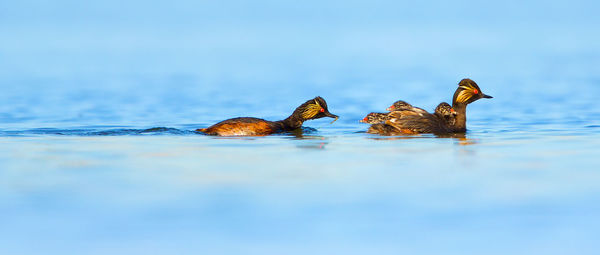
x=460 y=138
x=307 y=141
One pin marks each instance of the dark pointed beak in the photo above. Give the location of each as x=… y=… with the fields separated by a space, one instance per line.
x=486 y=96
x=330 y=115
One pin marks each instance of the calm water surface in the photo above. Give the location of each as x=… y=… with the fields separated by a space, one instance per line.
x=98 y=105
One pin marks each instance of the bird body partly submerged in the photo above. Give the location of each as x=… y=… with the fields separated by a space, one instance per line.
x=243 y=126
x=248 y=126
x=389 y=130
x=446 y=119
x=375 y=117
x=425 y=124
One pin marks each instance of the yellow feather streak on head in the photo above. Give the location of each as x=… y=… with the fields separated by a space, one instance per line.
x=311 y=110
x=467 y=84
x=464 y=96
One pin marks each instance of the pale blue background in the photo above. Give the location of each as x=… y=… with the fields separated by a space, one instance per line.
x=525 y=181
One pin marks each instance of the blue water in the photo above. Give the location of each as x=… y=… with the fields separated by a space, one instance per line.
x=99 y=101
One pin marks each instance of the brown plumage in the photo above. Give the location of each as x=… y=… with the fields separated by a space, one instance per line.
x=397 y=109
x=375 y=117
x=386 y=129
x=467 y=92
x=404 y=106
x=425 y=122
x=445 y=120
x=411 y=120
x=242 y=126
x=445 y=112
x=247 y=126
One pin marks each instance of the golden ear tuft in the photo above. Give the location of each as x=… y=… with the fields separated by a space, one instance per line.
x=311 y=110
x=464 y=96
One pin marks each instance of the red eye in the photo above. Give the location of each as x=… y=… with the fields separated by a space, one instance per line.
x=322 y=110
x=475 y=91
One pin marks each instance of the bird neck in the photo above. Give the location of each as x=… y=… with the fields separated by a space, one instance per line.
x=292 y=122
x=460 y=125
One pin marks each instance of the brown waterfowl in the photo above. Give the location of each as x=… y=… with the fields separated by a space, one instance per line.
x=436 y=123
x=404 y=106
x=444 y=120
x=247 y=126
x=397 y=109
x=389 y=130
x=415 y=123
x=375 y=117
x=445 y=112
x=467 y=92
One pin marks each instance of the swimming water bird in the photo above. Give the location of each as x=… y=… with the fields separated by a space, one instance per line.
x=436 y=123
x=375 y=117
x=246 y=126
x=467 y=92
x=444 y=120
x=445 y=112
x=397 y=109
x=411 y=122
x=417 y=121
x=388 y=130
x=404 y=106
